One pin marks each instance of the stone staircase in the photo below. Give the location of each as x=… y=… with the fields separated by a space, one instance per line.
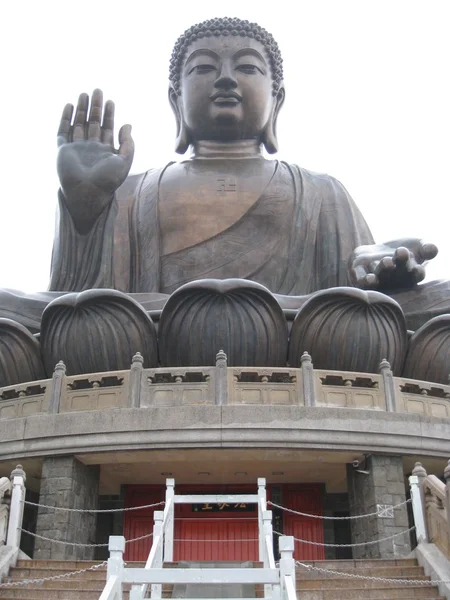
x=311 y=585
x=314 y=585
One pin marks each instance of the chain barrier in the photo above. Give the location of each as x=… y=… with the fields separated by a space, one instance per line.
x=370 y=578
x=52 y=578
x=47 y=539
x=106 y=510
x=218 y=541
x=391 y=537
x=373 y=514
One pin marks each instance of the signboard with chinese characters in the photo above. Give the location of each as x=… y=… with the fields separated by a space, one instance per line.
x=223 y=507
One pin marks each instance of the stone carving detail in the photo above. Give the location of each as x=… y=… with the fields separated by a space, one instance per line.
x=20 y=354
x=96 y=331
x=428 y=357
x=347 y=329
x=239 y=316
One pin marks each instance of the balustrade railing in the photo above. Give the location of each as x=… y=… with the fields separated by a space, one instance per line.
x=431 y=507
x=220 y=385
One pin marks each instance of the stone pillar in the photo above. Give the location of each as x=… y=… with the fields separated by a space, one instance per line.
x=383 y=485
x=67 y=482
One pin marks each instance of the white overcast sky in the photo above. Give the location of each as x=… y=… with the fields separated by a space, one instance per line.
x=368 y=101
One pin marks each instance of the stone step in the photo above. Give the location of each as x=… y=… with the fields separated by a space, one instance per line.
x=37 y=573
x=69 y=565
x=362 y=563
x=347 y=583
x=60 y=593
x=407 y=593
x=392 y=572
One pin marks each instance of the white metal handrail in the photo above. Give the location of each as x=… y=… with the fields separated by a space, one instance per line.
x=279 y=582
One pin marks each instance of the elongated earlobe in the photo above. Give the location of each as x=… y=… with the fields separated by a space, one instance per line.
x=269 y=136
x=183 y=140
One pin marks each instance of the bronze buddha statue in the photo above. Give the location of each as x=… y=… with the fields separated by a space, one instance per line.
x=225 y=211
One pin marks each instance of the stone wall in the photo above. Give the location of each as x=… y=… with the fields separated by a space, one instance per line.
x=66 y=482
x=384 y=484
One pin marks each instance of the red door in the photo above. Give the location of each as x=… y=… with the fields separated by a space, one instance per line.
x=216 y=532
x=140 y=522
x=306 y=499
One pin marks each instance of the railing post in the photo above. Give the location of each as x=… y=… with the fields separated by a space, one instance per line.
x=287 y=566
x=134 y=392
x=447 y=497
x=262 y=504
x=158 y=517
x=269 y=560
x=18 y=478
x=221 y=377
x=388 y=385
x=59 y=374
x=5 y=487
x=168 y=534
x=309 y=392
x=116 y=547
x=418 y=509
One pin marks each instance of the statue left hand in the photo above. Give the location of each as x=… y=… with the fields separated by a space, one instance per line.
x=391 y=266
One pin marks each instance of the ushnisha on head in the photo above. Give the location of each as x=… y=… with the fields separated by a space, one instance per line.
x=226 y=83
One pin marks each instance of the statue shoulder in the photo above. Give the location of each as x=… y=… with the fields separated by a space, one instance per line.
x=326 y=186
x=134 y=183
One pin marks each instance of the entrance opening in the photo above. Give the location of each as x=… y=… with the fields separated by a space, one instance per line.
x=224 y=532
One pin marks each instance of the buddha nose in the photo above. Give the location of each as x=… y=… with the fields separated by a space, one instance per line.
x=226 y=78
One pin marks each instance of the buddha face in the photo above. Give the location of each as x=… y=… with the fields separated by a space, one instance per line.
x=226 y=89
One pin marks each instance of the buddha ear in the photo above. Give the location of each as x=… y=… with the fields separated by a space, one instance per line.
x=183 y=141
x=269 y=136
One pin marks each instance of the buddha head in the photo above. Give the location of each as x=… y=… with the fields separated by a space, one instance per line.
x=226 y=84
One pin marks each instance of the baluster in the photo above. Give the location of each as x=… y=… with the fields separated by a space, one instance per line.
x=18 y=479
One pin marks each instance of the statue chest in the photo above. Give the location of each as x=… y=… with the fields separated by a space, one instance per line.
x=200 y=199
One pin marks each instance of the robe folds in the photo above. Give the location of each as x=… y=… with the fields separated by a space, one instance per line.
x=295 y=239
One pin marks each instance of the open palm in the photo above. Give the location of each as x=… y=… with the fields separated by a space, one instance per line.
x=90 y=169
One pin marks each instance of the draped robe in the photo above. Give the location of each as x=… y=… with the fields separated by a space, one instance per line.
x=295 y=239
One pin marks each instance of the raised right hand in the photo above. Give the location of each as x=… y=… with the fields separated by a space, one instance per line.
x=89 y=168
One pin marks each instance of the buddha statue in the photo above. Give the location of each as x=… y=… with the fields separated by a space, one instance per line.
x=225 y=210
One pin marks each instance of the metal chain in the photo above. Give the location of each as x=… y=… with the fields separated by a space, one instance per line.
x=219 y=541
x=374 y=514
x=80 y=510
x=53 y=578
x=370 y=578
x=47 y=539
x=391 y=537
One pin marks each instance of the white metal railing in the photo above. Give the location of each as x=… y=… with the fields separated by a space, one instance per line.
x=279 y=582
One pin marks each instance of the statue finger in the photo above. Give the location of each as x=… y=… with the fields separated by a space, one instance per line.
x=370 y=282
x=108 y=123
x=401 y=256
x=385 y=265
x=418 y=273
x=358 y=273
x=79 y=124
x=95 y=116
x=126 y=143
x=428 y=251
x=65 y=124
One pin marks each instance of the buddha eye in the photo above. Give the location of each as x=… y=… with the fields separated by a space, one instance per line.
x=249 y=69
x=203 y=69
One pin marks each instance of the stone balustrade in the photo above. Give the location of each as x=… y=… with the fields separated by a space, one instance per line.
x=221 y=385
x=436 y=506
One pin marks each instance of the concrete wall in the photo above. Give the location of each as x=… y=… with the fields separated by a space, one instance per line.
x=67 y=482
x=384 y=484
